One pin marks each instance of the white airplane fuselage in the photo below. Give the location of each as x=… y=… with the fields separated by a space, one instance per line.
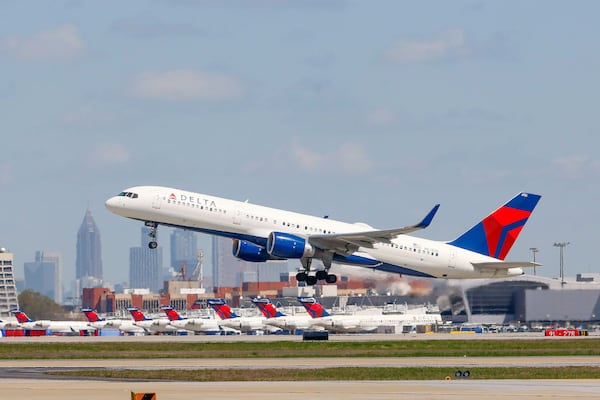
x=404 y=254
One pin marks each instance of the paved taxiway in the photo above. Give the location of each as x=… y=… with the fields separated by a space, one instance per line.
x=25 y=379
x=372 y=390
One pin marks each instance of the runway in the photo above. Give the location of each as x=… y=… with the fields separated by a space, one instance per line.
x=373 y=390
x=26 y=378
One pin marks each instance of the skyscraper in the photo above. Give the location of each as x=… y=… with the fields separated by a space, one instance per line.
x=8 y=289
x=89 y=252
x=44 y=275
x=145 y=265
x=184 y=251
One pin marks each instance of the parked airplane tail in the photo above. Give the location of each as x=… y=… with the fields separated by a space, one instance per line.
x=222 y=308
x=91 y=315
x=21 y=316
x=496 y=233
x=313 y=308
x=137 y=314
x=267 y=308
x=172 y=313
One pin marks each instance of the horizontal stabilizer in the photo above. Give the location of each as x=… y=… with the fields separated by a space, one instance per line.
x=495 y=266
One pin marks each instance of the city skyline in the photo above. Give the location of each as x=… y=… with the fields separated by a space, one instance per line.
x=364 y=111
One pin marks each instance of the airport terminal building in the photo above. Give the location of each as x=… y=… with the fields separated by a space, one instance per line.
x=526 y=299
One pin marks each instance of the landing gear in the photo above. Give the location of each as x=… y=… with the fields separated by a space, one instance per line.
x=153 y=244
x=321 y=275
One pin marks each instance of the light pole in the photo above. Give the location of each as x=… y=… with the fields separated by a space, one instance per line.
x=562 y=245
x=534 y=250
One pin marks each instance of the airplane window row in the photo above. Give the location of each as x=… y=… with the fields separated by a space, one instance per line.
x=129 y=194
x=307 y=228
x=212 y=209
x=429 y=252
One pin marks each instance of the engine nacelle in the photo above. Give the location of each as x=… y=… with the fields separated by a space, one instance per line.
x=284 y=245
x=248 y=251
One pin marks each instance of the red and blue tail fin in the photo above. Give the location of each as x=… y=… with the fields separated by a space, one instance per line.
x=91 y=315
x=496 y=233
x=172 y=313
x=137 y=314
x=222 y=308
x=21 y=316
x=313 y=308
x=267 y=308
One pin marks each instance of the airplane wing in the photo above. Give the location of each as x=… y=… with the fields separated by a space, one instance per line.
x=347 y=243
x=502 y=265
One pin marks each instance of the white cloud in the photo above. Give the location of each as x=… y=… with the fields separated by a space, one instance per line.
x=447 y=44
x=577 y=165
x=61 y=43
x=185 y=85
x=347 y=158
x=107 y=154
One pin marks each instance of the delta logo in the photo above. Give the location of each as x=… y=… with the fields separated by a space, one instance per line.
x=184 y=198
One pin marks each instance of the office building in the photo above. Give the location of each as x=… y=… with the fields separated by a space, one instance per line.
x=89 y=251
x=44 y=275
x=184 y=252
x=145 y=265
x=8 y=290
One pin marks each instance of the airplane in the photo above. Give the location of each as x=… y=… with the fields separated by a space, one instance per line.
x=363 y=322
x=55 y=326
x=204 y=325
x=262 y=234
x=277 y=318
x=150 y=325
x=230 y=319
x=95 y=321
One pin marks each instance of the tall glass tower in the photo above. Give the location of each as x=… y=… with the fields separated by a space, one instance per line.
x=89 y=252
x=184 y=251
x=145 y=265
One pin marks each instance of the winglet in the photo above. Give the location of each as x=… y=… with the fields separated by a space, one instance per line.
x=429 y=217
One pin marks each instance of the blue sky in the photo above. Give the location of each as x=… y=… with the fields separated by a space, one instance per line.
x=365 y=111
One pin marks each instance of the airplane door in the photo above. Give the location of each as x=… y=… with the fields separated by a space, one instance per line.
x=237 y=216
x=156 y=201
x=452 y=260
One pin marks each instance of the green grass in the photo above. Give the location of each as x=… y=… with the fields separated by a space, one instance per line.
x=341 y=374
x=283 y=349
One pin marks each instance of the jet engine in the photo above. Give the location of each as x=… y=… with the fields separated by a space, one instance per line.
x=284 y=245
x=248 y=251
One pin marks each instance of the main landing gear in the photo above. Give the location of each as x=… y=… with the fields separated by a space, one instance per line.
x=152 y=234
x=303 y=276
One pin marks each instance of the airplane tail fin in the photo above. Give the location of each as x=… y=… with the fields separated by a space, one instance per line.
x=496 y=233
x=137 y=314
x=313 y=308
x=21 y=316
x=172 y=313
x=91 y=315
x=267 y=308
x=222 y=308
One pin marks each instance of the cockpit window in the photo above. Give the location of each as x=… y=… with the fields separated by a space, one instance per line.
x=129 y=194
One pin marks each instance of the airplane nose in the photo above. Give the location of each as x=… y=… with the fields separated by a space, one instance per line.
x=112 y=204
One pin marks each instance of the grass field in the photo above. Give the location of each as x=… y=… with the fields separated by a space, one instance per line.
x=339 y=374
x=286 y=349
x=402 y=348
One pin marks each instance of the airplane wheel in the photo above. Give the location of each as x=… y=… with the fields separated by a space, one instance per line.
x=311 y=280
x=331 y=278
x=152 y=244
x=321 y=275
x=301 y=276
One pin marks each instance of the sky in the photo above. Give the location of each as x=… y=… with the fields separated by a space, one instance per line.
x=366 y=111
